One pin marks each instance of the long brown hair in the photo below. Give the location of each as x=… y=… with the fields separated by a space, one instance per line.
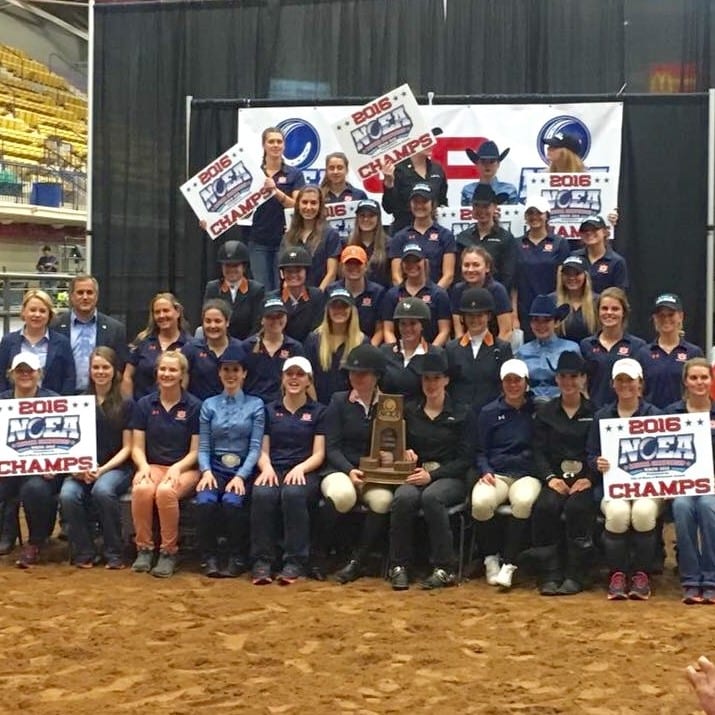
x=324 y=188
x=151 y=325
x=297 y=223
x=112 y=406
x=378 y=263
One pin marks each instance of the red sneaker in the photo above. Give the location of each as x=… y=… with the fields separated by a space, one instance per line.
x=640 y=587
x=617 y=587
x=29 y=556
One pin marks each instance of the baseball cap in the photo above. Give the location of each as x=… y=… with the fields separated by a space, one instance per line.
x=341 y=295
x=353 y=253
x=273 y=304
x=26 y=358
x=412 y=249
x=576 y=263
x=514 y=367
x=540 y=203
x=421 y=189
x=667 y=300
x=592 y=222
x=627 y=366
x=562 y=140
x=299 y=362
x=368 y=205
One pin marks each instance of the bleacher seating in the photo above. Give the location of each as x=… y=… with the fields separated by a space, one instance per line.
x=37 y=110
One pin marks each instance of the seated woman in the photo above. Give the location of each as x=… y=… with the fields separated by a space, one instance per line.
x=203 y=354
x=165 y=446
x=38 y=492
x=287 y=488
x=328 y=345
x=630 y=535
x=85 y=495
x=231 y=430
x=437 y=443
x=561 y=428
x=504 y=460
x=694 y=516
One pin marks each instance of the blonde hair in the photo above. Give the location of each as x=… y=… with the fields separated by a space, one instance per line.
x=43 y=297
x=588 y=304
x=566 y=162
x=326 y=345
x=309 y=391
x=297 y=223
x=183 y=364
x=151 y=325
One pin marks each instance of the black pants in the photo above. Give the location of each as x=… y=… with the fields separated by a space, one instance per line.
x=214 y=519
x=39 y=500
x=630 y=552
x=579 y=511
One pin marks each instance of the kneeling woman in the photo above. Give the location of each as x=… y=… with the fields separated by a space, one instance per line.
x=288 y=486
x=436 y=441
x=503 y=462
x=630 y=535
x=101 y=488
x=37 y=493
x=230 y=443
x=165 y=436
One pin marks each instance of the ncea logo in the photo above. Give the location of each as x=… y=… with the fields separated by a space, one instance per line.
x=223 y=181
x=43 y=432
x=380 y=125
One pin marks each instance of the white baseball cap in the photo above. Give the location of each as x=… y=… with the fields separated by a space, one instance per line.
x=26 y=358
x=300 y=362
x=627 y=366
x=539 y=203
x=514 y=367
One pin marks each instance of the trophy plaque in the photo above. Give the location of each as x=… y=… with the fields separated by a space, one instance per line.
x=386 y=463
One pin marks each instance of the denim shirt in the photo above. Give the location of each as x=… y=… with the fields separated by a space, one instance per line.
x=542 y=357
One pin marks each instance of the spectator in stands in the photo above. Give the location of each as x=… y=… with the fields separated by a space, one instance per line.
x=334 y=186
x=664 y=358
x=47 y=263
x=203 y=354
x=37 y=492
x=630 y=534
x=573 y=288
x=309 y=229
x=488 y=159
x=694 y=516
x=87 y=328
x=437 y=242
x=53 y=349
x=370 y=236
x=96 y=492
x=243 y=296
x=231 y=430
x=366 y=294
x=612 y=342
x=287 y=488
x=331 y=342
x=166 y=329
x=165 y=446
x=504 y=463
x=438 y=445
x=606 y=267
x=267 y=350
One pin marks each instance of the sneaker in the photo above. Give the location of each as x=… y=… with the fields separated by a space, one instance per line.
x=115 y=563
x=261 y=573
x=505 y=575
x=439 y=578
x=165 y=565
x=210 y=567
x=398 y=578
x=234 y=567
x=289 y=574
x=640 y=587
x=617 y=587
x=491 y=569
x=708 y=595
x=144 y=561
x=29 y=556
x=549 y=588
x=691 y=595
x=351 y=572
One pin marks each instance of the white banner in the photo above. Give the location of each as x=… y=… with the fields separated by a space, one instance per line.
x=661 y=456
x=522 y=129
x=46 y=435
x=228 y=190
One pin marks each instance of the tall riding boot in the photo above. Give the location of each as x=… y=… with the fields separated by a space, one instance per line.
x=579 y=558
x=644 y=548
x=8 y=530
x=545 y=562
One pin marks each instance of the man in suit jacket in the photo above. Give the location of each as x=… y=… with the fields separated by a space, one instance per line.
x=87 y=328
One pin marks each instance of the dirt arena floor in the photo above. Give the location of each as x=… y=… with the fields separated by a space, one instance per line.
x=74 y=641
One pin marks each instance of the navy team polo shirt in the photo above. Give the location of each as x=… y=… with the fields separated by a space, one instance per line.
x=434 y=242
x=203 y=367
x=432 y=294
x=663 y=372
x=144 y=356
x=292 y=433
x=264 y=370
x=368 y=304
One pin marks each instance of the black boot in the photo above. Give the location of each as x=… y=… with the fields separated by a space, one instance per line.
x=644 y=550
x=545 y=562
x=8 y=531
x=578 y=565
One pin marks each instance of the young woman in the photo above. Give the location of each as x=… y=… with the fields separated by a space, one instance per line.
x=612 y=342
x=663 y=359
x=540 y=253
x=100 y=489
x=308 y=228
x=606 y=267
x=38 y=492
x=166 y=329
x=268 y=222
x=476 y=267
x=231 y=430
x=165 y=446
x=630 y=536
x=287 y=487
x=327 y=347
x=504 y=461
x=203 y=353
x=52 y=349
x=437 y=242
x=573 y=288
x=562 y=153
x=695 y=516
x=370 y=236
x=267 y=351
x=334 y=186
x=438 y=445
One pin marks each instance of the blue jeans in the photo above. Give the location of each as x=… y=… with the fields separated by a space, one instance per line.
x=696 y=561
x=83 y=503
x=39 y=500
x=264 y=265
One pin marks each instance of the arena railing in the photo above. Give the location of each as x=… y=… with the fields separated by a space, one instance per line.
x=42 y=186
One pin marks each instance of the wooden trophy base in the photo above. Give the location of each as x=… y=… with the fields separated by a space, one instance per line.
x=395 y=474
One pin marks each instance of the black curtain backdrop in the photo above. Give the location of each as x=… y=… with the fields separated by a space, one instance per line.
x=150 y=56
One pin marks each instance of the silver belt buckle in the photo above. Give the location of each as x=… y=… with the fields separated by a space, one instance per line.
x=230 y=460
x=430 y=466
x=570 y=468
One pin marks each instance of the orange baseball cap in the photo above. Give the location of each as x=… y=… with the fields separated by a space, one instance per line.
x=353 y=253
